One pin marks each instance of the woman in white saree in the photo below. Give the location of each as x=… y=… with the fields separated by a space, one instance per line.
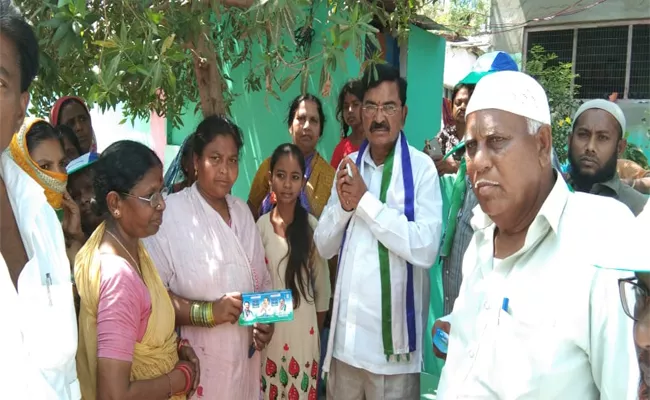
x=208 y=249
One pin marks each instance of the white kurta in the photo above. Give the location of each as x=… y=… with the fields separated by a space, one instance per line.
x=356 y=336
x=44 y=330
x=565 y=335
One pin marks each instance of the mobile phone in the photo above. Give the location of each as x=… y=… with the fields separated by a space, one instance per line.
x=347 y=168
x=433 y=149
x=440 y=340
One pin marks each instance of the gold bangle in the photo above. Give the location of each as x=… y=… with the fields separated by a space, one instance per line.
x=210 y=315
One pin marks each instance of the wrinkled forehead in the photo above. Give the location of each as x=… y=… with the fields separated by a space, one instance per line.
x=483 y=123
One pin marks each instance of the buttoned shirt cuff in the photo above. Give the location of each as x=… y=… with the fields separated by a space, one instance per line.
x=369 y=207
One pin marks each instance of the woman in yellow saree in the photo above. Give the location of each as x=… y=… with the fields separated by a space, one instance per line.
x=306 y=120
x=127 y=345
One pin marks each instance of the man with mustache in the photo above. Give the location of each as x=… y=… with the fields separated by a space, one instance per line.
x=534 y=319
x=385 y=217
x=595 y=143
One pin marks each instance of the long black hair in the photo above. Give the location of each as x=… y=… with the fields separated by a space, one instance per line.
x=120 y=167
x=298 y=276
x=355 y=88
x=293 y=107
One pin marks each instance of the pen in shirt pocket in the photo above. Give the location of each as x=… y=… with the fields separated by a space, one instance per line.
x=504 y=307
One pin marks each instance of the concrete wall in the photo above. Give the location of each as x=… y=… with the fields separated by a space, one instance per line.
x=509 y=17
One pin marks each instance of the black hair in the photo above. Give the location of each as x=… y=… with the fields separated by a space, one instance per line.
x=40 y=132
x=469 y=86
x=298 y=277
x=186 y=151
x=213 y=126
x=293 y=107
x=66 y=103
x=119 y=168
x=65 y=133
x=383 y=73
x=14 y=27
x=354 y=88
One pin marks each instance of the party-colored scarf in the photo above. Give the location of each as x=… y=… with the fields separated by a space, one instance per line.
x=392 y=323
x=269 y=201
x=54 y=183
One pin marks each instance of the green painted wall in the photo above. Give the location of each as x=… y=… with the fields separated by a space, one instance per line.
x=424 y=73
x=262 y=118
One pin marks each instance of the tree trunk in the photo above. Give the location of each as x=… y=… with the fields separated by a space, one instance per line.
x=208 y=76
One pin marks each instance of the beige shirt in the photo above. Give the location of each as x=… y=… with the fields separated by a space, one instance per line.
x=564 y=334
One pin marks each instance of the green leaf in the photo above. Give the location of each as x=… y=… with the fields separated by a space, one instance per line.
x=105 y=43
x=155 y=83
x=122 y=122
x=287 y=82
x=171 y=79
x=167 y=43
x=53 y=23
x=60 y=33
x=114 y=65
x=63 y=3
x=66 y=45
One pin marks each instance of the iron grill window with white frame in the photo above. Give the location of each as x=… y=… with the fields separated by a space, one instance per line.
x=610 y=58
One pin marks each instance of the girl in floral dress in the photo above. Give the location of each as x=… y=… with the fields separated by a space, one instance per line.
x=290 y=362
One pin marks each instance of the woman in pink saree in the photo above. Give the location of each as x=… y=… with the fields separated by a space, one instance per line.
x=208 y=250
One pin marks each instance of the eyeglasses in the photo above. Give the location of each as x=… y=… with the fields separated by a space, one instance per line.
x=388 y=109
x=156 y=200
x=634 y=298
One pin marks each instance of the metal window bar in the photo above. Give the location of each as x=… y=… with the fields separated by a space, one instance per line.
x=601 y=61
x=639 y=67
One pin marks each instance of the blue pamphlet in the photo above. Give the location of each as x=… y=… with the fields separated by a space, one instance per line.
x=440 y=340
x=266 y=307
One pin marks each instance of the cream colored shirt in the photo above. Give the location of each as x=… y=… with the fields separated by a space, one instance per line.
x=43 y=331
x=564 y=334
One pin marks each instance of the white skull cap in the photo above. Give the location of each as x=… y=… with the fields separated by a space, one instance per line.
x=511 y=91
x=605 y=105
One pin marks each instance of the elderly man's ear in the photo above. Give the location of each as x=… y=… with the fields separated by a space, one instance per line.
x=544 y=144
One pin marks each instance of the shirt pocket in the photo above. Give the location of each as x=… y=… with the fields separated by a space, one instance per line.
x=523 y=353
x=49 y=323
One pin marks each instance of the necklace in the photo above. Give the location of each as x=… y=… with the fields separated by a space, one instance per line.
x=137 y=266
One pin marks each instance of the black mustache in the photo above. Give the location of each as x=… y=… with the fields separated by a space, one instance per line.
x=376 y=126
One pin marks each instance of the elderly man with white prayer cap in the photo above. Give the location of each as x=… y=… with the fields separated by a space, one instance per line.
x=595 y=143
x=534 y=319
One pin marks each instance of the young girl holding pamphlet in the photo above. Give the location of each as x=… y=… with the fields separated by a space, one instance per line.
x=290 y=362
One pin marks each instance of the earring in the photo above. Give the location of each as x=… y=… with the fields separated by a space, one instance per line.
x=116 y=213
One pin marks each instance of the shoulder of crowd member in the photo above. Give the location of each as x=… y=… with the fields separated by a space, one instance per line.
x=631 y=197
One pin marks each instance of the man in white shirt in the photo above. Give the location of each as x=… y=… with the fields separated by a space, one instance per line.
x=36 y=308
x=534 y=319
x=384 y=215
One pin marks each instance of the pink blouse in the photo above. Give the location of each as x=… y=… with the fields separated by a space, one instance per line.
x=123 y=310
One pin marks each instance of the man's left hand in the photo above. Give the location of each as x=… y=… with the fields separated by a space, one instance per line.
x=352 y=189
x=262 y=335
x=446 y=166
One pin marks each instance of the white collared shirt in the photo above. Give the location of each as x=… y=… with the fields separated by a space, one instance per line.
x=44 y=330
x=357 y=332
x=564 y=334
